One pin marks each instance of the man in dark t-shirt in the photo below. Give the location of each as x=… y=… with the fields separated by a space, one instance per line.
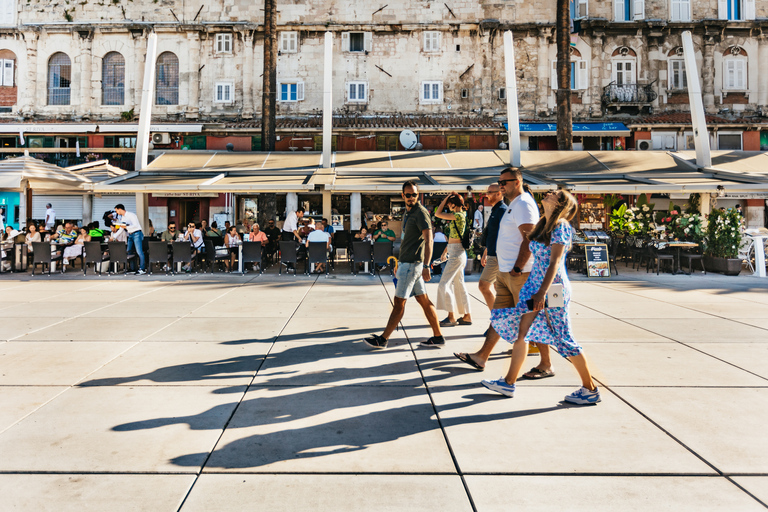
x=412 y=271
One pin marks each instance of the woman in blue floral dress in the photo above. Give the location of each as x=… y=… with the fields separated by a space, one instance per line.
x=550 y=240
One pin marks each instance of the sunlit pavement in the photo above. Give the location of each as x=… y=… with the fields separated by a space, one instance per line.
x=225 y=392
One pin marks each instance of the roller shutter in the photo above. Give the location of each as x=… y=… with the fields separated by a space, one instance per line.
x=108 y=201
x=66 y=207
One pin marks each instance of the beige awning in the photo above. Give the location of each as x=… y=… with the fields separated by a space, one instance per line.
x=39 y=176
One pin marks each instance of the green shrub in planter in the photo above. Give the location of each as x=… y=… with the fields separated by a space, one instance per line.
x=723 y=234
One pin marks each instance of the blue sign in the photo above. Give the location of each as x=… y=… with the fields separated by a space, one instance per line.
x=577 y=127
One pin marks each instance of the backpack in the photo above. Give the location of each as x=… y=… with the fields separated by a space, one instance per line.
x=467 y=236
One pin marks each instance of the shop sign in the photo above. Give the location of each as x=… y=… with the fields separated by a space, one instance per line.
x=764 y=195
x=185 y=194
x=598 y=264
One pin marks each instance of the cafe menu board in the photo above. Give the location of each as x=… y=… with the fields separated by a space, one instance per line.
x=598 y=264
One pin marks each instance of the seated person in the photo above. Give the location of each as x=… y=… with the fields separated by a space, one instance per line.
x=305 y=229
x=363 y=235
x=439 y=235
x=273 y=235
x=32 y=235
x=328 y=228
x=118 y=234
x=384 y=234
x=94 y=230
x=170 y=234
x=257 y=235
x=151 y=230
x=214 y=230
x=319 y=235
x=195 y=237
x=231 y=241
x=76 y=249
x=65 y=235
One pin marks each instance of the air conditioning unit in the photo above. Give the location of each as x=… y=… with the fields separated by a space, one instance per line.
x=161 y=138
x=505 y=138
x=643 y=145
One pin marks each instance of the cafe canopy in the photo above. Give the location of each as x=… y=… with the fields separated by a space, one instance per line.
x=384 y=172
x=39 y=176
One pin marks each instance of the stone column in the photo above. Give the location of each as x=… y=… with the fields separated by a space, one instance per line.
x=248 y=75
x=706 y=203
x=291 y=202
x=544 y=70
x=87 y=209
x=708 y=74
x=41 y=74
x=27 y=88
x=596 y=75
x=193 y=81
x=22 y=207
x=355 y=211
x=762 y=76
x=327 y=208
x=86 y=61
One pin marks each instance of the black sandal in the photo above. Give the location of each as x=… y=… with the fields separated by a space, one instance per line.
x=535 y=374
x=464 y=322
x=465 y=358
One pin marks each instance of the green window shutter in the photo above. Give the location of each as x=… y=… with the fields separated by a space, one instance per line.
x=83 y=142
x=109 y=142
x=453 y=142
x=195 y=141
x=256 y=143
x=318 y=142
x=49 y=142
x=392 y=142
x=333 y=143
x=381 y=143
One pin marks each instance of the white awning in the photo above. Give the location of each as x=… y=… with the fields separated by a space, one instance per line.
x=47 y=128
x=134 y=128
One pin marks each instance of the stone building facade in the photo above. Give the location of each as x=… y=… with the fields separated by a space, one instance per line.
x=76 y=61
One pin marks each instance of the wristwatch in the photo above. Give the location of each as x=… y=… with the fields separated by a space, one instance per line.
x=426 y=265
x=517 y=270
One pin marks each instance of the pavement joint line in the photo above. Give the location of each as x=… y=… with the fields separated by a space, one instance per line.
x=434 y=408
x=242 y=396
x=393 y=473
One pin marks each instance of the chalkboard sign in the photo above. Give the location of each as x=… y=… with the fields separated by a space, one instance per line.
x=598 y=264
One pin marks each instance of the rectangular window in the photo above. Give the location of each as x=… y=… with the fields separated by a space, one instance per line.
x=289 y=42
x=578 y=9
x=503 y=93
x=357 y=92
x=118 y=142
x=224 y=92
x=579 y=75
x=431 y=41
x=736 y=10
x=729 y=141
x=7 y=12
x=735 y=78
x=680 y=10
x=6 y=75
x=223 y=43
x=624 y=72
x=677 y=76
x=629 y=10
x=291 y=91
x=356 y=42
x=431 y=92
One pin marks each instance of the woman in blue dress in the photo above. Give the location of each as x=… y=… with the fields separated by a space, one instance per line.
x=550 y=240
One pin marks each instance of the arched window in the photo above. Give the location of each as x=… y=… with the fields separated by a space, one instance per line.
x=59 y=79
x=735 y=69
x=624 y=65
x=113 y=79
x=167 y=79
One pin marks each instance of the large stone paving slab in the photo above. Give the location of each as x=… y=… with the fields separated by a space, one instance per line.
x=86 y=329
x=19 y=401
x=752 y=357
x=325 y=329
x=597 y=493
x=115 y=429
x=704 y=330
x=726 y=426
x=37 y=363
x=609 y=329
x=643 y=308
x=16 y=327
x=243 y=330
x=757 y=485
x=182 y=364
x=349 y=429
x=535 y=433
x=731 y=309
x=51 y=307
x=341 y=493
x=94 y=493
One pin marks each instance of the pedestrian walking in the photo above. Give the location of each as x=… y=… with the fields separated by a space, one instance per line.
x=532 y=319
x=135 y=235
x=413 y=270
x=452 y=294
x=488 y=240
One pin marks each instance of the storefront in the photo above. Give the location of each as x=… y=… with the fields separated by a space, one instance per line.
x=586 y=136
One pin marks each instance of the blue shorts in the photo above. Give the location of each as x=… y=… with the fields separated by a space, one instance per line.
x=409 y=280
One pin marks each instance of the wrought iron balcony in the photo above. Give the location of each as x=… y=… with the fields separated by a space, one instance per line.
x=629 y=94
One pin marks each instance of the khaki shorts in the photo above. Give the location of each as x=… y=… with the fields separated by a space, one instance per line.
x=491 y=270
x=508 y=289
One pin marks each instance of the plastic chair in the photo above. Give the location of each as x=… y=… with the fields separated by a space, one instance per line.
x=253 y=253
x=361 y=253
x=317 y=253
x=92 y=253
x=158 y=253
x=288 y=255
x=381 y=253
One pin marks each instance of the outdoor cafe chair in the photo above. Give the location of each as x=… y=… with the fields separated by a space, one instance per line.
x=613 y=250
x=691 y=257
x=210 y=256
x=182 y=253
x=341 y=240
x=361 y=253
x=118 y=254
x=658 y=257
x=288 y=255
x=381 y=253
x=317 y=253
x=92 y=253
x=252 y=253
x=158 y=253
x=41 y=254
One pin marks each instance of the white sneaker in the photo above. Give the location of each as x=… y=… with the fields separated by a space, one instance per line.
x=583 y=396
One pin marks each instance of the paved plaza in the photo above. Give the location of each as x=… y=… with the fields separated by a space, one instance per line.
x=203 y=393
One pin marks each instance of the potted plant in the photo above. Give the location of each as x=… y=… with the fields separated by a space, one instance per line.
x=722 y=242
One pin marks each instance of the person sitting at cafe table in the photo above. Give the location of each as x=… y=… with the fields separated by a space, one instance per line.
x=170 y=234
x=305 y=229
x=319 y=235
x=65 y=235
x=195 y=237
x=363 y=235
x=32 y=235
x=213 y=231
x=231 y=241
x=118 y=234
x=76 y=249
x=384 y=234
x=257 y=235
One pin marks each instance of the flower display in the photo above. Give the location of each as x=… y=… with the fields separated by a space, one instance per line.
x=723 y=236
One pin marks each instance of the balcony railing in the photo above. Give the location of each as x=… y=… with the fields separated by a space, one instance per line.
x=629 y=94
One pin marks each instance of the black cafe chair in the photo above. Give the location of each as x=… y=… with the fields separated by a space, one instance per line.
x=41 y=254
x=210 y=257
x=382 y=251
x=655 y=255
x=317 y=253
x=253 y=253
x=182 y=253
x=92 y=253
x=361 y=253
x=118 y=254
x=158 y=253
x=288 y=255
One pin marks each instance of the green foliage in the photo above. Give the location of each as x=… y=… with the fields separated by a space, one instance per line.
x=686 y=226
x=723 y=233
x=642 y=199
x=633 y=221
x=694 y=204
x=127 y=116
x=68 y=16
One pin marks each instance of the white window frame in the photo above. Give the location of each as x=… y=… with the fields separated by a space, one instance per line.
x=224 y=43
x=299 y=90
x=747 y=8
x=615 y=71
x=636 y=10
x=735 y=62
x=682 y=83
x=8 y=13
x=581 y=9
x=426 y=99
x=225 y=85
x=367 y=42
x=356 y=92
x=5 y=79
x=719 y=133
x=432 y=41
x=680 y=10
x=289 y=42
x=581 y=80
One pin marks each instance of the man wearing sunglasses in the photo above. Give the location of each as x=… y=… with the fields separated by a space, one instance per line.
x=412 y=270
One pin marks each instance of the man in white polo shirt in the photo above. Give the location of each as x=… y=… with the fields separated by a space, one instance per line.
x=135 y=235
x=513 y=255
x=50 y=217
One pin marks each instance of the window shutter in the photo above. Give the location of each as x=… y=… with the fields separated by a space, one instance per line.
x=729 y=73
x=618 y=10
x=8 y=12
x=345 y=41
x=368 y=41
x=741 y=74
x=424 y=91
x=749 y=9
x=639 y=12
x=436 y=41
x=300 y=91
x=553 y=77
x=293 y=41
x=7 y=78
x=722 y=9
x=582 y=75
x=427 y=42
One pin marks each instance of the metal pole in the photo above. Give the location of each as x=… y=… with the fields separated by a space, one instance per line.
x=698 y=119
x=513 y=116
x=147 y=97
x=327 y=100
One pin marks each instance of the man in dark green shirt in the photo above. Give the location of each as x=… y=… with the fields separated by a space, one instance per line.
x=384 y=234
x=412 y=272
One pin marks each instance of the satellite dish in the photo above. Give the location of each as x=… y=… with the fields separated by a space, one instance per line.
x=408 y=139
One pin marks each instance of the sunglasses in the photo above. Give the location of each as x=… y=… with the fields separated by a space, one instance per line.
x=409 y=196
x=504 y=182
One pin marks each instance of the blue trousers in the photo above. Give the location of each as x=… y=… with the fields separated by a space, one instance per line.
x=136 y=244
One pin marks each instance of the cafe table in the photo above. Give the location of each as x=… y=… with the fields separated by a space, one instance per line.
x=759 y=245
x=679 y=246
